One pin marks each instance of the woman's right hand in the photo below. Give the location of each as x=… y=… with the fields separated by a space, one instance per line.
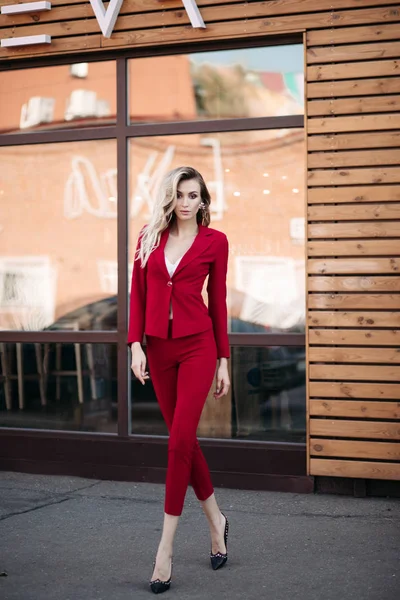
x=138 y=364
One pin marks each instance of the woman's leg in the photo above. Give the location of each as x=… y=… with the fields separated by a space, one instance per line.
x=197 y=358
x=216 y=522
x=164 y=375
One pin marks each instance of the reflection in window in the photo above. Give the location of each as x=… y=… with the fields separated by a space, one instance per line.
x=251 y=82
x=269 y=391
x=256 y=179
x=266 y=401
x=58 y=386
x=53 y=97
x=27 y=292
x=59 y=236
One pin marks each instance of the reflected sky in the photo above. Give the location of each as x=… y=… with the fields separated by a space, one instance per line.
x=279 y=59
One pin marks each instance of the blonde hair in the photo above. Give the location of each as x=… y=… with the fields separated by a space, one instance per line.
x=163 y=211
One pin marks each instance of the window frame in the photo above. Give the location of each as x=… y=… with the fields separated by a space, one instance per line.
x=122 y=131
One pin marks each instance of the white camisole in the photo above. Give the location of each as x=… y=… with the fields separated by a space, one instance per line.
x=172 y=266
x=171 y=270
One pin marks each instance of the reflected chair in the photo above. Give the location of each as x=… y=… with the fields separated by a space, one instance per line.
x=8 y=375
x=78 y=371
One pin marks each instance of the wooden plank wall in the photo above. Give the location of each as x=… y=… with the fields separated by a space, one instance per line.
x=353 y=145
x=353 y=106
x=73 y=27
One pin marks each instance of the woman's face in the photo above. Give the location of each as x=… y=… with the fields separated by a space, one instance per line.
x=188 y=199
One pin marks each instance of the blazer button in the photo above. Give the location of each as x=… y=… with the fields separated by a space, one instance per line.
x=169 y=283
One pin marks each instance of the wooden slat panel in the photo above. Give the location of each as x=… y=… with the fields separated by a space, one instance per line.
x=353 y=70
x=53 y=2
x=353 y=106
x=353 y=284
x=352 y=52
x=354 y=301
x=355 y=141
x=293 y=8
x=156 y=12
x=354 y=230
x=353 y=123
x=263 y=22
x=356 y=87
x=273 y=25
x=355 y=429
x=354 y=372
x=359 y=158
x=354 y=265
x=352 y=248
x=350 y=449
x=58 y=46
x=353 y=212
x=361 y=337
x=79 y=20
x=353 y=468
x=341 y=35
x=364 y=318
x=154 y=37
x=354 y=176
x=235 y=29
x=368 y=193
x=355 y=355
x=357 y=409
x=347 y=389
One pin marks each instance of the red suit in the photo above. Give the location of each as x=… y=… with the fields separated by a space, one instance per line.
x=182 y=352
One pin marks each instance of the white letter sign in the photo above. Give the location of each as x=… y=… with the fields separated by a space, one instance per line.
x=106 y=18
x=193 y=13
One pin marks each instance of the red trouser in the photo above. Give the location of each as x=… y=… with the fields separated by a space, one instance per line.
x=182 y=372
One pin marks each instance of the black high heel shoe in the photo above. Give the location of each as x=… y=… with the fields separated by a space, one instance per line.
x=218 y=559
x=157 y=586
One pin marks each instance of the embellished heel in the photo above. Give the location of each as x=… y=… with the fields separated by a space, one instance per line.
x=157 y=586
x=219 y=559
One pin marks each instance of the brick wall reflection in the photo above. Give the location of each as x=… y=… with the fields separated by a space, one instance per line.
x=58 y=231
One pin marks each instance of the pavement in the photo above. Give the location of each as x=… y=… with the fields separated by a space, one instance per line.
x=69 y=538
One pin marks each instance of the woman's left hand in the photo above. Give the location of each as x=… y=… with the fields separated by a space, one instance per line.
x=223 y=381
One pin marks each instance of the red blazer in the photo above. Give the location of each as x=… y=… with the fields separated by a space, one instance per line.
x=153 y=289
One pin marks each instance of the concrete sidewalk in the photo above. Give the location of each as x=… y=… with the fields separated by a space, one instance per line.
x=67 y=538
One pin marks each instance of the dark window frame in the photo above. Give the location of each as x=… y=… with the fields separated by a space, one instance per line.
x=122 y=132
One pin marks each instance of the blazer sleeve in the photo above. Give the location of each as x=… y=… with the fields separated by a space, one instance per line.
x=137 y=304
x=216 y=289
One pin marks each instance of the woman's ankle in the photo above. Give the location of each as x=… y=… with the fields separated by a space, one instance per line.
x=165 y=550
x=216 y=523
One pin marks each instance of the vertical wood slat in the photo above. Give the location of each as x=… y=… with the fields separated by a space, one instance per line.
x=305 y=259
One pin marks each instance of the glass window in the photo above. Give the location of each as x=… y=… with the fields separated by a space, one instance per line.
x=267 y=399
x=59 y=386
x=269 y=393
x=145 y=412
x=256 y=179
x=58 y=252
x=79 y=94
x=250 y=82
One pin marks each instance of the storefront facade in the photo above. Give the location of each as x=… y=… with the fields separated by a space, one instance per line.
x=292 y=115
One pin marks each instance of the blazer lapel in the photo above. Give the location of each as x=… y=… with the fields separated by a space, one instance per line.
x=159 y=252
x=200 y=243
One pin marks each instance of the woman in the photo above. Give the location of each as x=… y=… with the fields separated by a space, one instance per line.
x=175 y=253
